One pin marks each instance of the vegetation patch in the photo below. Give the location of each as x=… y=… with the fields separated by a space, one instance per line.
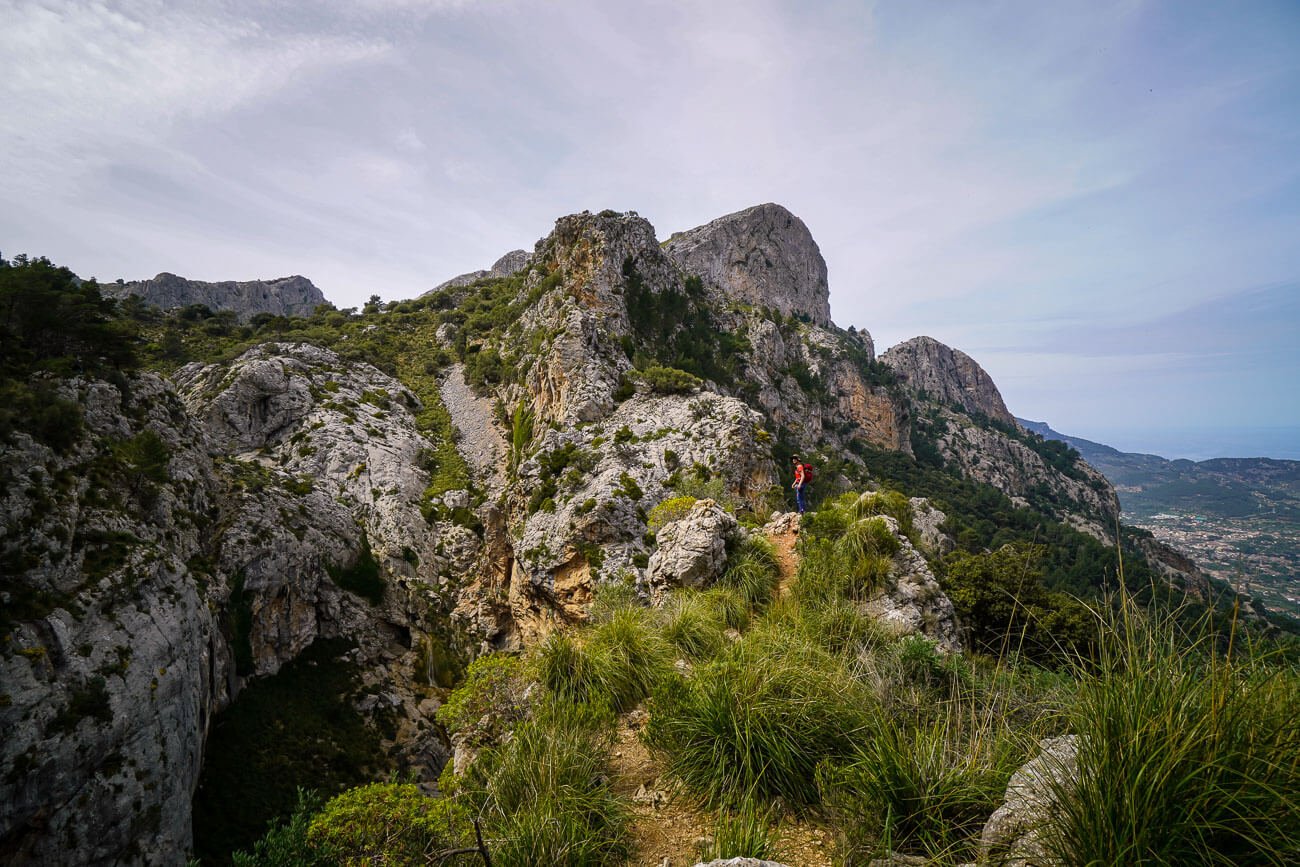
x=362 y=577
x=294 y=729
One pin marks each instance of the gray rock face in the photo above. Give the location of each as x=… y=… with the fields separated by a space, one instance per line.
x=551 y=554
x=927 y=521
x=509 y=264
x=692 y=550
x=1012 y=467
x=113 y=663
x=1014 y=833
x=764 y=256
x=912 y=602
x=947 y=375
x=285 y=296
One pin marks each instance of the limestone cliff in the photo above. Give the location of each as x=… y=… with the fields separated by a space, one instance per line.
x=764 y=256
x=948 y=376
x=113 y=660
x=285 y=296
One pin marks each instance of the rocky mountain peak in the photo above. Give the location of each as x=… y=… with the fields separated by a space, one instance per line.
x=509 y=264
x=763 y=256
x=947 y=375
x=282 y=296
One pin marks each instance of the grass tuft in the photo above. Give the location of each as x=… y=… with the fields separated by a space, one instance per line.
x=1189 y=753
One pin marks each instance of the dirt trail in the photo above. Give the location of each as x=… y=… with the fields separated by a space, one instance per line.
x=666 y=827
x=783 y=535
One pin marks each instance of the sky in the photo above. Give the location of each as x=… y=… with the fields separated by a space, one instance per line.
x=1099 y=201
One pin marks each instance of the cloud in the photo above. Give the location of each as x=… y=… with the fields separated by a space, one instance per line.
x=81 y=81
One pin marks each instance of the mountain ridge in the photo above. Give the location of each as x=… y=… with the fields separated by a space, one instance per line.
x=443 y=477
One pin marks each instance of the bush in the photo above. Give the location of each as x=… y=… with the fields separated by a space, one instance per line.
x=390 y=823
x=670 y=380
x=669 y=510
x=493 y=691
x=758 y=720
x=286 y=843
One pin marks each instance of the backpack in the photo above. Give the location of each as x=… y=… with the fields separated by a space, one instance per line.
x=807 y=473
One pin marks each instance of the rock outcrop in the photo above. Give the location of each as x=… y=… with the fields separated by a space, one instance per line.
x=1013 y=835
x=285 y=296
x=1080 y=496
x=509 y=264
x=112 y=660
x=764 y=256
x=948 y=376
x=912 y=602
x=692 y=550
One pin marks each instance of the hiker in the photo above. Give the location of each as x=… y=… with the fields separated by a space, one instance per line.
x=802 y=477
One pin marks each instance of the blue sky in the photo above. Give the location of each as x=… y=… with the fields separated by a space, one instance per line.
x=1099 y=201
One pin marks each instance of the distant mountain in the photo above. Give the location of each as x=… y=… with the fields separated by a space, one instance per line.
x=283 y=296
x=1221 y=487
x=1238 y=517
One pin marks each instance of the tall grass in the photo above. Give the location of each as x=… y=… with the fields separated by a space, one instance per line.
x=746 y=831
x=753 y=571
x=616 y=662
x=545 y=795
x=758 y=719
x=924 y=787
x=1188 y=754
x=694 y=625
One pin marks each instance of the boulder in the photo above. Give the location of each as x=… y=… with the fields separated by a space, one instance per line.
x=1013 y=835
x=692 y=550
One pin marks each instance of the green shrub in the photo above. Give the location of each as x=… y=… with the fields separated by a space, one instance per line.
x=1189 y=753
x=285 y=844
x=1000 y=597
x=670 y=380
x=758 y=720
x=390 y=823
x=493 y=690
x=664 y=513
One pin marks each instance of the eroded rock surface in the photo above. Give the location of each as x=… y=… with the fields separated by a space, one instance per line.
x=285 y=296
x=114 y=662
x=1013 y=835
x=947 y=375
x=692 y=550
x=764 y=256
x=912 y=602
